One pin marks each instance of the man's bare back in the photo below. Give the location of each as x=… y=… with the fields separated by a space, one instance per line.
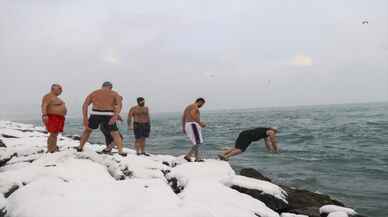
x=53 y=105
x=140 y=114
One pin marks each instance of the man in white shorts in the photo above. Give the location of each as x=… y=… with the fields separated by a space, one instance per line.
x=191 y=126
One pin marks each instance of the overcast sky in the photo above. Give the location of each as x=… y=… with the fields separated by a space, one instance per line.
x=236 y=54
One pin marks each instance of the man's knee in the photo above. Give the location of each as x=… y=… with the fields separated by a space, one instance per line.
x=88 y=131
x=53 y=135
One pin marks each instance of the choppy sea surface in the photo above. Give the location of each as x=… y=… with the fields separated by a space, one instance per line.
x=340 y=150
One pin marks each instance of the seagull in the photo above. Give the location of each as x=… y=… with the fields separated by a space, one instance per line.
x=365 y=22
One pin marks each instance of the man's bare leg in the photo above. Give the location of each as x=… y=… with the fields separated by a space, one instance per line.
x=84 y=138
x=227 y=151
x=191 y=152
x=234 y=152
x=196 y=153
x=137 y=146
x=118 y=141
x=52 y=142
x=142 y=144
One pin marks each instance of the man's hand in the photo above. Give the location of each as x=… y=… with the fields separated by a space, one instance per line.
x=203 y=125
x=45 y=119
x=114 y=119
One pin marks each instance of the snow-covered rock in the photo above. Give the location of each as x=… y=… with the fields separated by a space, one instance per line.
x=71 y=184
x=328 y=209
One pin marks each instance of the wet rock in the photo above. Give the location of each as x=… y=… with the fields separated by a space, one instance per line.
x=252 y=173
x=309 y=211
x=298 y=199
x=271 y=201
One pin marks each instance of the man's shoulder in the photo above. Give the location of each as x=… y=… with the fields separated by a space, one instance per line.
x=48 y=96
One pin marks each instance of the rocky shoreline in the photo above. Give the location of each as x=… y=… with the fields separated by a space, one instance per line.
x=167 y=184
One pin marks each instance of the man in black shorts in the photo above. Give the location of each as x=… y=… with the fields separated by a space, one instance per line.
x=248 y=136
x=106 y=107
x=141 y=124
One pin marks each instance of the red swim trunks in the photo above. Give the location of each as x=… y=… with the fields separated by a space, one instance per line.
x=55 y=123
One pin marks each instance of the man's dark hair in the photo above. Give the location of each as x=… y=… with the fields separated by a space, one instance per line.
x=200 y=100
x=139 y=99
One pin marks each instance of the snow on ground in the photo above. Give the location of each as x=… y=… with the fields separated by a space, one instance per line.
x=328 y=209
x=285 y=214
x=71 y=184
x=264 y=186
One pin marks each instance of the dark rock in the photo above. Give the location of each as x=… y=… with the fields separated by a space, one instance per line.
x=5 y=160
x=127 y=172
x=165 y=172
x=3 y=212
x=9 y=136
x=271 y=201
x=2 y=144
x=173 y=182
x=31 y=131
x=309 y=211
x=298 y=199
x=252 y=173
x=166 y=163
x=11 y=190
x=75 y=137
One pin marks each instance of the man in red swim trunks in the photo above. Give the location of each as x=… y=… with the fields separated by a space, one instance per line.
x=53 y=116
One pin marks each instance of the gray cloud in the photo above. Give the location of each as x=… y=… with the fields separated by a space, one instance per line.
x=236 y=54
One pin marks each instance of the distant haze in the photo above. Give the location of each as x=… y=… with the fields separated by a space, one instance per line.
x=236 y=54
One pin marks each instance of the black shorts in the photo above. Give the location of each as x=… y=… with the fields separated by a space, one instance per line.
x=141 y=130
x=243 y=141
x=102 y=120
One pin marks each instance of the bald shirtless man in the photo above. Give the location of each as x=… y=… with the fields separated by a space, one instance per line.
x=53 y=116
x=191 y=126
x=106 y=107
x=141 y=124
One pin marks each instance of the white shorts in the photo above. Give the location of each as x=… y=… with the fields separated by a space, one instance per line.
x=194 y=132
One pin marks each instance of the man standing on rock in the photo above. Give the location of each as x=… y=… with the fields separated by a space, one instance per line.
x=141 y=124
x=246 y=137
x=192 y=126
x=106 y=107
x=53 y=116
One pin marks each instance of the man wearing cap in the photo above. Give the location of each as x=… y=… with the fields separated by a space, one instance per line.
x=141 y=124
x=246 y=137
x=106 y=107
x=53 y=116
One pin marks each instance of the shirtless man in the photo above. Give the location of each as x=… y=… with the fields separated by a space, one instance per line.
x=106 y=107
x=53 y=116
x=246 y=137
x=191 y=126
x=141 y=124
